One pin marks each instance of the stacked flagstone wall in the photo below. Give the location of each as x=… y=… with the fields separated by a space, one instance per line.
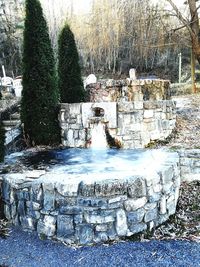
x=74 y=209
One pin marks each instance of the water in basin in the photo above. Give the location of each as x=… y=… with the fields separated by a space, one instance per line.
x=80 y=161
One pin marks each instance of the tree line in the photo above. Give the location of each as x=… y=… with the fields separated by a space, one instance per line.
x=114 y=36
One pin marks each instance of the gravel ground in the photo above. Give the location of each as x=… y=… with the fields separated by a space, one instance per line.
x=22 y=249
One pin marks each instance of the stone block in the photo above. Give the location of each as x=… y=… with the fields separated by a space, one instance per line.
x=167 y=188
x=78 y=219
x=13 y=210
x=137 y=227
x=136 y=187
x=151 y=215
x=149 y=105
x=23 y=195
x=151 y=225
x=86 y=190
x=100 y=237
x=47 y=226
x=150 y=206
x=167 y=173
x=65 y=226
x=7 y=212
x=92 y=202
x=69 y=189
x=21 y=208
x=70 y=210
x=155 y=135
x=85 y=234
x=101 y=228
x=162 y=218
x=138 y=105
x=49 y=200
x=136 y=216
x=154 y=197
x=117 y=199
x=36 y=206
x=27 y=222
x=110 y=188
x=134 y=204
x=125 y=107
x=121 y=223
x=163 y=205
x=6 y=188
x=75 y=108
x=36 y=193
x=99 y=218
x=157 y=188
x=135 y=127
x=82 y=134
x=148 y=113
x=171 y=207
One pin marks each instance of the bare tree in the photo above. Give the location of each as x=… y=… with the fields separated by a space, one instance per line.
x=191 y=24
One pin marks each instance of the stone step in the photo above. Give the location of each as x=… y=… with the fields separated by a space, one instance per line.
x=15 y=116
x=11 y=123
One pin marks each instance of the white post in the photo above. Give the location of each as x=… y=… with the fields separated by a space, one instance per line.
x=132 y=74
x=179 y=68
x=3 y=69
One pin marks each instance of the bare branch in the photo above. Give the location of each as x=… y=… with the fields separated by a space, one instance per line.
x=180 y=16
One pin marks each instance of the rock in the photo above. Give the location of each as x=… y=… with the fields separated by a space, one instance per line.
x=46 y=226
x=136 y=187
x=65 y=226
x=27 y=222
x=101 y=228
x=49 y=196
x=134 y=204
x=86 y=190
x=163 y=205
x=110 y=188
x=85 y=234
x=151 y=215
x=121 y=223
x=136 y=216
x=95 y=218
x=138 y=227
x=68 y=189
x=100 y=237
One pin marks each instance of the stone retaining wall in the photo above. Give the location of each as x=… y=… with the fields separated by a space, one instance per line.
x=190 y=164
x=128 y=90
x=76 y=209
x=132 y=124
x=7 y=107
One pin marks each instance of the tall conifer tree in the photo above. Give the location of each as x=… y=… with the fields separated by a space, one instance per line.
x=40 y=92
x=69 y=72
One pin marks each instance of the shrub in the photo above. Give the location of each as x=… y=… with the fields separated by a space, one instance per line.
x=69 y=72
x=39 y=112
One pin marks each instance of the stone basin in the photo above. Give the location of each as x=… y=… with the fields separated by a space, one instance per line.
x=91 y=196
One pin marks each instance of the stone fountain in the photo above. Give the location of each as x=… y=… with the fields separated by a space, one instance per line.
x=87 y=196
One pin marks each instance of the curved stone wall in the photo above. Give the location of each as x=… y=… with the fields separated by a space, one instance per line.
x=92 y=208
